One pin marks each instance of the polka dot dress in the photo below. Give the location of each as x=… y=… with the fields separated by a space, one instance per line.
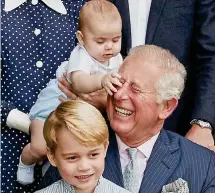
x=35 y=40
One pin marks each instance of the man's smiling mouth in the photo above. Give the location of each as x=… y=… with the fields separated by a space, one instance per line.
x=123 y=112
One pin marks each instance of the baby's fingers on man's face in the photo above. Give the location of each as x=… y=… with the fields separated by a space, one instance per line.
x=110 y=86
x=116 y=81
x=108 y=91
x=115 y=75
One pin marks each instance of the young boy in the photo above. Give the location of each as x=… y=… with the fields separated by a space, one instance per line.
x=92 y=66
x=77 y=140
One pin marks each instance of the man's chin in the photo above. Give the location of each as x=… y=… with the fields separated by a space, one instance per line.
x=120 y=129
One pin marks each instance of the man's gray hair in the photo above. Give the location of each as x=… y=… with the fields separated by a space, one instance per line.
x=171 y=83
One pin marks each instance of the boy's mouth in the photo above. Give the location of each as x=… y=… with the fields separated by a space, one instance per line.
x=84 y=177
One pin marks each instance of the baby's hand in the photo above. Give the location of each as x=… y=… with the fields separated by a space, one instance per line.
x=109 y=80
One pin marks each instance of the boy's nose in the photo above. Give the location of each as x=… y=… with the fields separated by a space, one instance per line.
x=83 y=165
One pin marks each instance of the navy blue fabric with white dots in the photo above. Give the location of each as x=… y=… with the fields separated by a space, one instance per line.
x=35 y=40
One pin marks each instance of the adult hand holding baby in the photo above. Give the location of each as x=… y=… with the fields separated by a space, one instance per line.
x=97 y=98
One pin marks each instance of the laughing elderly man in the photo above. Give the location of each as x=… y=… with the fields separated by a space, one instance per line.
x=142 y=156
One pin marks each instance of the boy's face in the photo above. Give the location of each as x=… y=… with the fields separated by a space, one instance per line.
x=102 y=40
x=79 y=165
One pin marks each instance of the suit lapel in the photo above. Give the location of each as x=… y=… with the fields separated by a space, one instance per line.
x=162 y=163
x=154 y=16
x=113 y=171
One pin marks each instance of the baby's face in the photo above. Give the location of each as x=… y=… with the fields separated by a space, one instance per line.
x=102 y=40
x=79 y=165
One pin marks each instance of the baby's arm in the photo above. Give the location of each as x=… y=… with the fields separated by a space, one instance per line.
x=97 y=98
x=85 y=83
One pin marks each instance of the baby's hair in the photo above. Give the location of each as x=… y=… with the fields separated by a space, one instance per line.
x=83 y=120
x=97 y=10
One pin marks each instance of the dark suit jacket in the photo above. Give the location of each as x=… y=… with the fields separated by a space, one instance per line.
x=172 y=157
x=187 y=29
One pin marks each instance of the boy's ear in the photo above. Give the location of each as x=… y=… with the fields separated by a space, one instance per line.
x=51 y=158
x=80 y=37
x=106 y=148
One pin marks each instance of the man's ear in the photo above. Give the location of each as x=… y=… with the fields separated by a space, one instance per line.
x=80 y=37
x=51 y=158
x=167 y=108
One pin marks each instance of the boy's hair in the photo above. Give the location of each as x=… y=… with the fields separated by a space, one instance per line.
x=83 y=120
x=97 y=10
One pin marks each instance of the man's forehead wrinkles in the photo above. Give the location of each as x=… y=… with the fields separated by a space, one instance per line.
x=129 y=76
x=134 y=81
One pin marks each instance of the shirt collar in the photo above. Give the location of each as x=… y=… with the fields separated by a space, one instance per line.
x=71 y=189
x=145 y=149
x=56 y=5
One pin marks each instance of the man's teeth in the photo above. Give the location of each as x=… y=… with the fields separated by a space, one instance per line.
x=83 y=177
x=122 y=112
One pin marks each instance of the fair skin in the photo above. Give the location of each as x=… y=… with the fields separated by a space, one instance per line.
x=35 y=152
x=196 y=134
x=102 y=43
x=78 y=165
x=201 y=136
x=132 y=111
x=97 y=98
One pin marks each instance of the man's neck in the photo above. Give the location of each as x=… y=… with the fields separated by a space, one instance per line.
x=137 y=140
x=134 y=143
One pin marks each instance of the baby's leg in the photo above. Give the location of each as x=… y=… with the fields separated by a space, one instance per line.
x=32 y=153
x=36 y=150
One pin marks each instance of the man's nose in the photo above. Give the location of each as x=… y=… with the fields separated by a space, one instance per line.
x=83 y=165
x=122 y=92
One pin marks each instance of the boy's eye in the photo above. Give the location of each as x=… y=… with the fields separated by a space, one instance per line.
x=72 y=158
x=94 y=155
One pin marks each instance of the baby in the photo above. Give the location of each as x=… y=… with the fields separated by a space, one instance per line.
x=77 y=140
x=93 y=65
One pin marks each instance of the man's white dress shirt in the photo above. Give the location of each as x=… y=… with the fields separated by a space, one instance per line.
x=143 y=153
